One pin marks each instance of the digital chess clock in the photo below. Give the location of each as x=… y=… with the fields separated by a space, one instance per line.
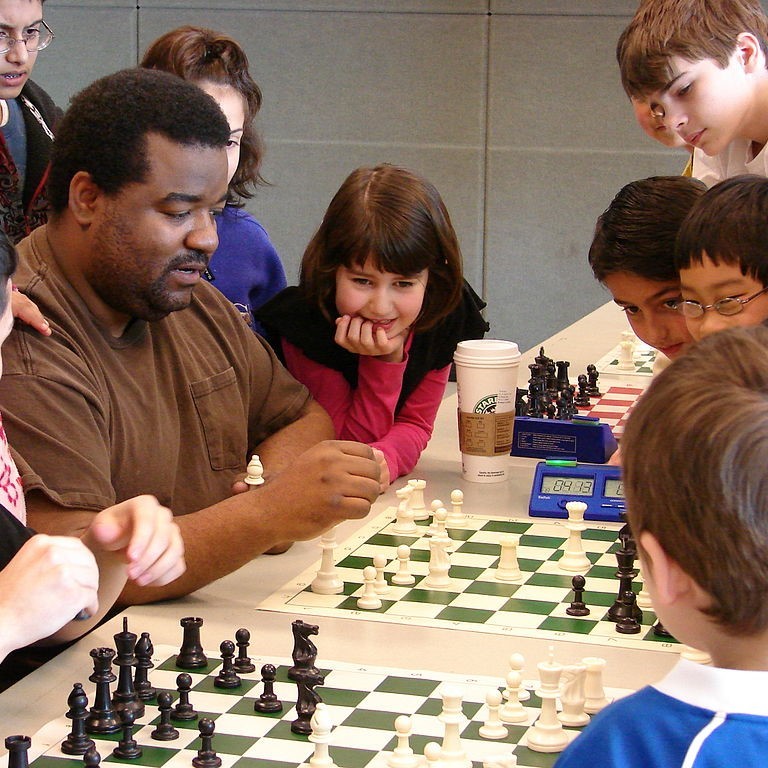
x=558 y=481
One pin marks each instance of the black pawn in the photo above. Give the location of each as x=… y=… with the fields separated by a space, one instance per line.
x=127 y=748
x=268 y=701
x=77 y=743
x=628 y=624
x=592 y=375
x=102 y=718
x=18 y=747
x=206 y=757
x=191 y=655
x=243 y=663
x=227 y=677
x=165 y=730
x=92 y=758
x=144 y=651
x=578 y=607
x=582 y=398
x=660 y=631
x=184 y=711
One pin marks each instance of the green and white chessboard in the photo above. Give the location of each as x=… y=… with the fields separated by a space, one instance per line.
x=363 y=703
x=642 y=359
x=476 y=601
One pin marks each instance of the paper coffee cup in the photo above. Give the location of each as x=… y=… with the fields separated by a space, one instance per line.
x=486 y=381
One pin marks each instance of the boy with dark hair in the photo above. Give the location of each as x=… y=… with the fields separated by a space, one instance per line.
x=696 y=491
x=700 y=65
x=722 y=256
x=632 y=255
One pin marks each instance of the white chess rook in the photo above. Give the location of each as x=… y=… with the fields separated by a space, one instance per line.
x=594 y=693
x=508 y=568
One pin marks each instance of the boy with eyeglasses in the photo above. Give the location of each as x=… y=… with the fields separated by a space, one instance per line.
x=28 y=118
x=721 y=253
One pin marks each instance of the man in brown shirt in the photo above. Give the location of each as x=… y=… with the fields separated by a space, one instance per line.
x=151 y=382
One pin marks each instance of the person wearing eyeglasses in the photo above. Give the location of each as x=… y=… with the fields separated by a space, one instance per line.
x=28 y=118
x=721 y=253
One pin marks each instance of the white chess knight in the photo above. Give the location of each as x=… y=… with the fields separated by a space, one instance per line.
x=254 y=471
x=439 y=566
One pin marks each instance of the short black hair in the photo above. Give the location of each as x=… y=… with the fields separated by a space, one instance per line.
x=636 y=232
x=730 y=224
x=8 y=262
x=105 y=128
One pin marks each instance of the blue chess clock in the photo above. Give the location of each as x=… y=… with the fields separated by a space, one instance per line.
x=558 y=481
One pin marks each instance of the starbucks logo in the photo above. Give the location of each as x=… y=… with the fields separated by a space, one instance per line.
x=486 y=405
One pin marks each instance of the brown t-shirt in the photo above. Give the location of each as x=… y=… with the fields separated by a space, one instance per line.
x=172 y=408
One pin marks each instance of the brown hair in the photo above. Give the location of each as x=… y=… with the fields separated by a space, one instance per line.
x=398 y=219
x=636 y=233
x=730 y=223
x=198 y=54
x=691 y=29
x=694 y=466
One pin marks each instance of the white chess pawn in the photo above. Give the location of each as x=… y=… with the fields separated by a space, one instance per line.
x=574 y=558
x=432 y=753
x=433 y=507
x=572 y=696
x=493 y=728
x=456 y=517
x=380 y=582
x=512 y=711
x=254 y=471
x=440 y=531
x=594 y=693
x=403 y=577
x=327 y=581
x=516 y=663
x=369 y=600
x=403 y=756
x=508 y=568
x=321 y=725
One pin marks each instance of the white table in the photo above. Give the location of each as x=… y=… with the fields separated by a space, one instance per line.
x=228 y=603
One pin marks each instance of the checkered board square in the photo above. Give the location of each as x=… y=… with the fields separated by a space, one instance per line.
x=613 y=407
x=363 y=703
x=642 y=359
x=476 y=601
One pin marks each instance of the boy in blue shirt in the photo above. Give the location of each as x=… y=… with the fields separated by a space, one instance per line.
x=696 y=491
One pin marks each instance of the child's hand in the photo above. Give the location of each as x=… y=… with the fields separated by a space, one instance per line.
x=49 y=580
x=27 y=311
x=357 y=335
x=146 y=534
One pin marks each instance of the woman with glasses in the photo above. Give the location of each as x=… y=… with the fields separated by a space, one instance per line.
x=27 y=118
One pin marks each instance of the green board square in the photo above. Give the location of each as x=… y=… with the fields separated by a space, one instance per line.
x=460 y=534
x=390 y=540
x=45 y=761
x=420 y=555
x=465 y=572
x=550 y=580
x=350 y=757
x=568 y=624
x=151 y=756
x=597 y=534
x=228 y=743
x=341 y=697
x=529 y=566
x=602 y=572
x=365 y=718
x=468 y=615
x=410 y=686
x=506 y=526
x=544 y=542
x=355 y=562
x=528 y=757
x=516 y=605
x=591 y=556
x=492 y=588
x=479 y=548
x=252 y=762
x=207 y=686
x=282 y=730
x=433 y=707
x=189 y=725
x=350 y=604
x=244 y=706
x=601 y=599
x=435 y=596
x=169 y=665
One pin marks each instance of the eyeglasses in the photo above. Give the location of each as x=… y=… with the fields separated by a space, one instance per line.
x=34 y=39
x=728 y=306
